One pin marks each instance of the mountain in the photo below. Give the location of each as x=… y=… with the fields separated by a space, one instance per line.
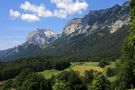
x=41 y=37
x=112 y=18
x=100 y=33
x=32 y=46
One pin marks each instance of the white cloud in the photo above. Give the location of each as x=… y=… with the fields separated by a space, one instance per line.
x=70 y=6
x=14 y=14
x=64 y=8
x=29 y=17
x=60 y=13
x=40 y=10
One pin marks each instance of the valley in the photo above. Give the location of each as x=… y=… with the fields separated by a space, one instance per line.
x=93 y=52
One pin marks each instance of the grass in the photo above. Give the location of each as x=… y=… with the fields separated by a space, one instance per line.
x=111 y=79
x=49 y=73
x=112 y=65
x=81 y=67
x=85 y=63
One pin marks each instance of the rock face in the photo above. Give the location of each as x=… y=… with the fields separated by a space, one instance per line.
x=41 y=37
x=112 y=18
x=71 y=27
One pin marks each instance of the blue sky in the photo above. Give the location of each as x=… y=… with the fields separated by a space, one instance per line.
x=19 y=17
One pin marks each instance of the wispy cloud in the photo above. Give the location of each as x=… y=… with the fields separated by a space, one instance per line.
x=14 y=14
x=27 y=17
x=64 y=8
x=68 y=7
x=30 y=17
x=40 y=10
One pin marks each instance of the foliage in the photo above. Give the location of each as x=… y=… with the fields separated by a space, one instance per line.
x=50 y=73
x=99 y=83
x=60 y=85
x=88 y=77
x=125 y=76
x=19 y=79
x=7 y=85
x=110 y=71
x=35 y=82
x=13 y=68
x=103 y=63
x=72 y=78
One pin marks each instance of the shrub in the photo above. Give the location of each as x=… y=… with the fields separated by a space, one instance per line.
x=103 y=63
x=110 y=72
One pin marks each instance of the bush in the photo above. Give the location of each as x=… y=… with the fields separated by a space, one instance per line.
x=88 y=77
x=110 y=72
x=99 y=83
x=7 y=85
x=103 y=63
x=72 y=78
x=60 y=85
x=35 y=82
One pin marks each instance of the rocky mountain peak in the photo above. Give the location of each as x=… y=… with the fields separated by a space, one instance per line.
x=126 y=4
x=41 y=37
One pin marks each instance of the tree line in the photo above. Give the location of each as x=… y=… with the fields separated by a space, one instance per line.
x=67 y=80
x=13 y=68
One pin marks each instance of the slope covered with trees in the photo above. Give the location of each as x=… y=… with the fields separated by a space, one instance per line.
x=11 y=69
x=126 y=65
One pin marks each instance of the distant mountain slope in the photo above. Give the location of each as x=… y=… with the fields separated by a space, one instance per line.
x=100 y=33
x=41 y=37
x=32 y=46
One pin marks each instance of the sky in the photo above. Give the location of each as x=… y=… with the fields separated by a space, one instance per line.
x=20 y=17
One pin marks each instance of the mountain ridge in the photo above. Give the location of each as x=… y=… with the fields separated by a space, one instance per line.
x=94 y=26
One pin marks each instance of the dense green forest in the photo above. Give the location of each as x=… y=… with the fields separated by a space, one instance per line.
x=11 y=69
x=22 y=74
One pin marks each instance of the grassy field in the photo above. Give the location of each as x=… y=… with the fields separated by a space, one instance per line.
x=81 y=67
x=111 y=79
x=84 y=63
x=49 y=73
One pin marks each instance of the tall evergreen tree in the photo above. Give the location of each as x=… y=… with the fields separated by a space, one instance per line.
x=125 y=76
x=129 y=49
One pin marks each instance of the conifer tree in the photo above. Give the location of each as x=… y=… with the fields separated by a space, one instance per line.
x=125 y=76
